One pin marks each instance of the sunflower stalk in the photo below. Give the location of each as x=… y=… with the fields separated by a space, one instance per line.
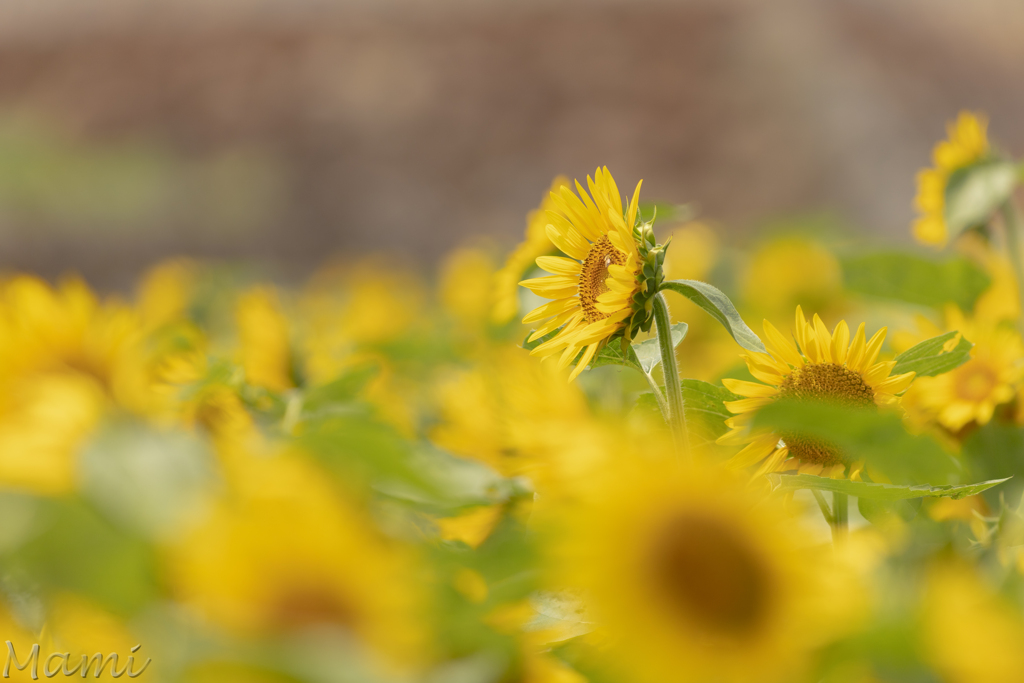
x=826 y=512
x=1012 y=228
x=673 y=387
x=840 y=516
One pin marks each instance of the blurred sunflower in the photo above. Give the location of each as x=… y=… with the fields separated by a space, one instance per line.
x=691 y=578
x=593 y=289
x=827 y=367
x=66 y=360
x=971 y=392
x=967 y=144
x=284 y=552
x=520 y=261
x=969 y=631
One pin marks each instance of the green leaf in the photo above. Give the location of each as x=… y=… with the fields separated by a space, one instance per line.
x=147 y=481
x=704 y=407
x=612 y=354
x=997 y=450
x=878 y=438
x=975 y=192
x=916 y=280
x=75 y=549
x=888 y=492
x=929 y=358
x=563 y=615
x=719 y=307
x=340 y=391
x=648 y=352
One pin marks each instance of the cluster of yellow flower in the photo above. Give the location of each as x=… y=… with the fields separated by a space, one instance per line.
x=369 y=479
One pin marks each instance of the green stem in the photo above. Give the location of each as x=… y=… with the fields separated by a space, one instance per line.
x=658 y=396
x=1011 y=225
x=823 y=505
x=674 y=390
x=840 y=516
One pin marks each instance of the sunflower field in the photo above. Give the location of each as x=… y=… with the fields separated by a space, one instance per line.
x=627 y=452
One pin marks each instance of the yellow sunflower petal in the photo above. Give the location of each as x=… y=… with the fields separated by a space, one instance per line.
x=780 y=347
x=840 y=342
x=896 y=383
x=559 y=265
x=824 y=339
x=855 y=360
x=874 y=345
x=745 y=405
x=755 y=452
x=749 y=389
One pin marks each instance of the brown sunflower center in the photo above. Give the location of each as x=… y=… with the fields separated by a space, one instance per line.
x=975 y=382
x=829 y=383
x=595 y=271
x=301 y=607
x=710 y=575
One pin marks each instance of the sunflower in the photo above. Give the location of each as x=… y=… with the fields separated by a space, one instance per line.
x=522 y=259
x=967 y=144
x=971 y=392
x=826 y=367
x=691 y=577
x=599 y=291
x=283 y=552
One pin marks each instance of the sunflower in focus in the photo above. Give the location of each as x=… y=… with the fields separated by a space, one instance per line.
x=692 y=578
x=967 y=144
x=534 y=245
x=599 y=288
x=971 y=392
x=828 y=368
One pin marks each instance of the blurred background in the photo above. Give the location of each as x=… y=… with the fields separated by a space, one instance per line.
x=281 y=132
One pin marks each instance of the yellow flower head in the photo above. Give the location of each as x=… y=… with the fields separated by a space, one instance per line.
x=284 y=552
x=792 y=270
x=594 y=288
x=969 y=632
x=826 y=367
x=692 y=578
x=971 y=392
x=967 y=143
x=535 y=244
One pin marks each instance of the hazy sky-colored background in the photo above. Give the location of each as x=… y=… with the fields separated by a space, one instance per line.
x=287 y=131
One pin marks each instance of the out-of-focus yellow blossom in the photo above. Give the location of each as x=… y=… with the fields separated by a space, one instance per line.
x=1000 y=301
x=473 y=527
x=284 y=552
x=792 y=271
x=970 y=634
x=351 y=305
x=265 y=345
x=79 y=627
x=594 y=284
x=693 y=251
x=345 y=313
x=166 y=292
x=66 y=360
x=521 y=417
x=967 y=144
x=546 y=668
x=971 y=392
x=523 y=259
x=828 y=368
x=463 y=289
x=691 y=578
